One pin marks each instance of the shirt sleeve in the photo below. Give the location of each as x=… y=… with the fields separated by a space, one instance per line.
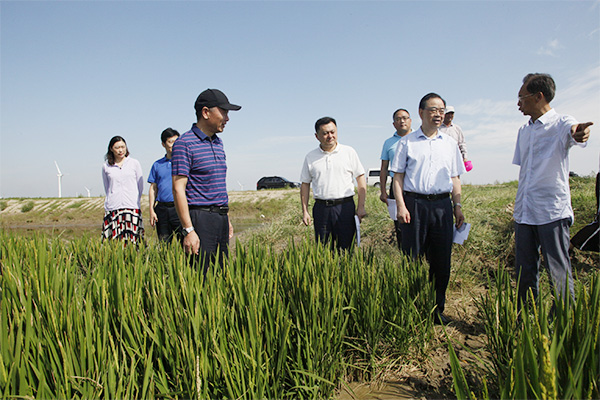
x=180 y=162
x=105 y=179
x=305 y=176
x=384 y=152
x=140 y=179
x=459 y=166
x=517 y=155
x=399 y=162
x=152 y=174
x=357 y=167
x=462 y=144
x=569 y=122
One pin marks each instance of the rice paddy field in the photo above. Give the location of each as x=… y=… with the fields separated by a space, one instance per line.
x=285 y=318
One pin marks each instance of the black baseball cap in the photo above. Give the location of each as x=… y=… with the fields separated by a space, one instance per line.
x=214 y=98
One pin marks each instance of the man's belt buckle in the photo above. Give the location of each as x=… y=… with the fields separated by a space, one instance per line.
x=330 y=203
x=222 y=209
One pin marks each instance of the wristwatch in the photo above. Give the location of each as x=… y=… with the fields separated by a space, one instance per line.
x=455 y=204
x=187 y=231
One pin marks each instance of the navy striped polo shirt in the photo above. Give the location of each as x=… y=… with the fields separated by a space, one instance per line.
x=202 y=160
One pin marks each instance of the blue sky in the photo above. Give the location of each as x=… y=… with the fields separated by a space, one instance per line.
x=75 y=73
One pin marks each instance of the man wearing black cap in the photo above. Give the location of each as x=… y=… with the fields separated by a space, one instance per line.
x=199 y=186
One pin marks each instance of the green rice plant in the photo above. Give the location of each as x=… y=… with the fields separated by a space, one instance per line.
x=391 y=301
x=537 y=357
x=314 y=296
x=461 y=387
x=91 y=319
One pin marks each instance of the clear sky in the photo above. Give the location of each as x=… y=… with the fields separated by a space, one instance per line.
x=75 y=73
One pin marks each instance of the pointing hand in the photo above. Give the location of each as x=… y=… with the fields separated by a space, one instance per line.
x=581 y=132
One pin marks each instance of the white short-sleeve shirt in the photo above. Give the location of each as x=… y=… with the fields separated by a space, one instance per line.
x=332 y=173
x=428 y=164
x=542 y=152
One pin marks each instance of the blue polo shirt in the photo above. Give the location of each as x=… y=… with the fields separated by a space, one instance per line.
x=161 y=175
x=202 y=160
x=389 y=149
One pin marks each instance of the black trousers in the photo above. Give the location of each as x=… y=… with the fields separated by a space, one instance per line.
x=429 y=233
x=213 y=230
x=335 y=223
x=168 y=224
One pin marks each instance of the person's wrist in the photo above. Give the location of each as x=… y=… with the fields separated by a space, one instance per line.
x=188 y=230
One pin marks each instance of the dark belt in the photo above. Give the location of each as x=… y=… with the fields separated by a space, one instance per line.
x=165 y=203
x=440 y=196
x=334 y=202
x=223 y=210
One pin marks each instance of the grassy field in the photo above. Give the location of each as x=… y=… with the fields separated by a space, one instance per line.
x=283 y=319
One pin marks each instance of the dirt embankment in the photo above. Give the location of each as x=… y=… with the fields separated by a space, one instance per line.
x=87 y=212
x=41 y=205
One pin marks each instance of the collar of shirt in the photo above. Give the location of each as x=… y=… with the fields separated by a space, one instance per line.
x=544 y=119
x=421 y=135
x=125 y=162
x=336 y=150
x=203 y=136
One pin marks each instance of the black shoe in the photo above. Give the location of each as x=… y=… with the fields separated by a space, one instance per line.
x=440 y=319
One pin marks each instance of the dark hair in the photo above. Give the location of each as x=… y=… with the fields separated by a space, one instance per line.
x=110 y=156
x=167 y=134
x=396 y=112
x=544 y=83
x=323 y=121
x=428 y=97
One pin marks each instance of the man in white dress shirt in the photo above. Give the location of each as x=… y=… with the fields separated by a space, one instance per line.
x=332 y=168
x=543 y=210
x=426 y=167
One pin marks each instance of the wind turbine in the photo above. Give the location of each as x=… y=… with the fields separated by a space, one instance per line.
x=241 y=186
x=60 y=175
x=88 y=190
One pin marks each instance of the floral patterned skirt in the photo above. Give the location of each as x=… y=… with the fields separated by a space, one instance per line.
x=123 y=224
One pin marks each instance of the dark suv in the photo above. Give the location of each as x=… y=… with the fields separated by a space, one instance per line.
x=275 y=182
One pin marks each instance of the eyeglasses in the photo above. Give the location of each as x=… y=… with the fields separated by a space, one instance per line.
x=526 y=96
x=401 y=118
x=435 y=110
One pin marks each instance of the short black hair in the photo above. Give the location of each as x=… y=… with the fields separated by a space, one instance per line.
x=396 y=112
x=323 y=121
x=167 y=134
x=543 y=83
x=429 y=96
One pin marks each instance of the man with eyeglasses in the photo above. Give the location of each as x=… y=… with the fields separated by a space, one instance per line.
x=543 y=211
x=426 y=167
x=402 y=122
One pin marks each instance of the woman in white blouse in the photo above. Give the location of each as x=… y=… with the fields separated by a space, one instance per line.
x=123 y=185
